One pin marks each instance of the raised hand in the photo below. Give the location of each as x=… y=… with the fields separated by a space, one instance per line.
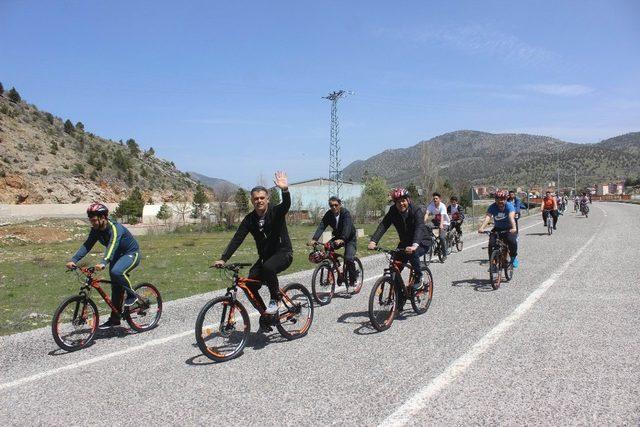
x=281 y=181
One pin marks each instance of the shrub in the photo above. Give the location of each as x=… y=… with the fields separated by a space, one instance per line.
x=44 y=171
x=68 y=127
x=13 y=95
x=1 y=89
x=49 y=117
x=78 y=169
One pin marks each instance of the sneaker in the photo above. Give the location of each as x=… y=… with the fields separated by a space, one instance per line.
x=272 y=308
x=515 y=262
x=554 y=227
x=109 y=324
x=417 y=285
x=130 y=300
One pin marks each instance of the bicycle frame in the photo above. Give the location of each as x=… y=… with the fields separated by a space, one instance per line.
x=394 y=271
x=333 y=257
x=93 y=283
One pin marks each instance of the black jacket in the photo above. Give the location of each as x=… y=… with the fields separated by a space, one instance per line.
x=344 y=229
x=274 y=236
x=410 y=230
x=460 y=210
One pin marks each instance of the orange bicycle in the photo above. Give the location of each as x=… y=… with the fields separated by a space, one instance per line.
x=76 y=320
x=331 y=271
x=223 y=325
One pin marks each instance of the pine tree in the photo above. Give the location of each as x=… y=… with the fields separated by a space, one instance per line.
x=200 y=199
x=164 y=213
x=1 y=88
x=13 y=95
x=242 y=201
x=134 y=148
x=80 y=126
x=275 y=198
x=68 y=127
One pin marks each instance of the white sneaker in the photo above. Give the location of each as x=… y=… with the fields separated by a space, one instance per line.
x=272 y=308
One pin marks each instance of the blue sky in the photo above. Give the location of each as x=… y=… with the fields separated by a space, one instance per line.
x=233 y=89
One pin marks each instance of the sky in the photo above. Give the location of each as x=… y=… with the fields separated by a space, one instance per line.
x=234 y=90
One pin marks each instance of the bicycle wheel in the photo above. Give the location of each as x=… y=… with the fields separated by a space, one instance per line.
x=222 y=329
x=495 y=275
x=508 y=269
x=75 y=323
x=359 y=280
x=382 y=304
x=145 y=313
x=421 y=300
x=323 y=283
x=459 y=242
x=549 y=226
x=442 y=255
x=295 y=314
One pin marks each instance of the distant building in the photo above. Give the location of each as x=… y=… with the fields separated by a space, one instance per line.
x=481 y=191
x=313 y=195
x=602 y=189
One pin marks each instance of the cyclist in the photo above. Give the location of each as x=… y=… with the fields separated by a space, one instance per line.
x=576 y=202
x=517 y=205
x=122 y=254
x=503 y=215
x=437 y=214
x=456 y=213
x=408 y=220
x=560 y=203
x=549 y=206
x=344 y=233
x=268 y=227
x=584 y=203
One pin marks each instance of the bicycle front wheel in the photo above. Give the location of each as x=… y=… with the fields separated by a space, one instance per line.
x=495 y=266
x=421 y=300
x=75 y=323
x=295 y=314
x=323 y=283
x=459 y=242
x=222 y=329
x=359 y=279
x=382 y=304
x=442 y=255
x=145 y=313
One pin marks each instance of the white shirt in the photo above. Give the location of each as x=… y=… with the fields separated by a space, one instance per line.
x=441 y=210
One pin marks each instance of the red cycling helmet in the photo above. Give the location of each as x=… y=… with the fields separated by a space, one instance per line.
x=501 y=195
x=96 y=209
x=316 y=257
x=399 y=193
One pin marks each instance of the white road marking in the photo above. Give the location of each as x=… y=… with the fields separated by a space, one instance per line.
x=402 y=416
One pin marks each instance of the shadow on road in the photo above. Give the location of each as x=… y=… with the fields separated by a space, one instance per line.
x=101 y=334
x=479 y=261
x=255 y=341
x=359 y=318
x=480 y=285
x=537 y=234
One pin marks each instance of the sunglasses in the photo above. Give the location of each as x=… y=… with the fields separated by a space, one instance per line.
x=333 y=205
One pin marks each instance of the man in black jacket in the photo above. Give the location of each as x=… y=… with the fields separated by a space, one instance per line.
x=408 y=219
x=344 y=233
x=268 y=227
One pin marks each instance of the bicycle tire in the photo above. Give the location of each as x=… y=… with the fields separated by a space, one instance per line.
x=421 y=300
x=323 y=282
x=384 y=293
x=355 y=290
x=224 y=328
x=459 y=243
x=508 y=271
x=302 y=310
x=450 y=244
x=92 y=322
x=148 y=296
x=549 y=225
x=495 y=275
x=442 y=255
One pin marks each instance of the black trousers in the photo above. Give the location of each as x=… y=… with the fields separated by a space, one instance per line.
x=350 y=248
x=267 y=271
x=554 y=215
x=508 y=238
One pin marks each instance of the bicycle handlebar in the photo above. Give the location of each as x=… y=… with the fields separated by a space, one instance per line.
x=235 y=267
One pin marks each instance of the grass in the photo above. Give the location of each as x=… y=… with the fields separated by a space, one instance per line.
x=33 y=280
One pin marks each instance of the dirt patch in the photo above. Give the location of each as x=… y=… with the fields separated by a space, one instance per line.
x=42 y=231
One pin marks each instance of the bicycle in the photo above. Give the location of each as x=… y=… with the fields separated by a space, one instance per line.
x=435 y=248
x=575 y=207
x=76 y=319
x=390 y=292
x=331 y=271
x=454 y=239
x=499 y=261
x=549 y=222
x=223 y=326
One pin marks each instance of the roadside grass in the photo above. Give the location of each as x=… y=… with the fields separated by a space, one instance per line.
x=33 y=280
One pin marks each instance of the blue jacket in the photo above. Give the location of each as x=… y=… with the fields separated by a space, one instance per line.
x=517 y=205
x=116 y=238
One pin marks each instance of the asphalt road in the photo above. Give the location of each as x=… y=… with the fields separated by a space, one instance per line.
x=557 y=345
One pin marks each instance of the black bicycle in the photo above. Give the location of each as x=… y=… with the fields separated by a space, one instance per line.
x=435 y=248
x=499 y=261
x=390 y=291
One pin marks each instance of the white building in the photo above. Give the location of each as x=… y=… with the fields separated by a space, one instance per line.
x=313 y=195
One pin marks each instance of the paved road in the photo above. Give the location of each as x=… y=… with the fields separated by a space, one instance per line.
x=558 y=345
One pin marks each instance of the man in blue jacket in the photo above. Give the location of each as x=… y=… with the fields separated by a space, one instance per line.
x=517 y=205
x=122 y=254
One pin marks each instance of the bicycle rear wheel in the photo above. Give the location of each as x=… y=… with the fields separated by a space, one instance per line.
x=145 y=313
x=222 y=329
x=75 y=323
x=359 y=279
x=295 y=314
x=495 y=267
x=382 y=304
x=450 y=243
x=323 y=283
x=421 y=300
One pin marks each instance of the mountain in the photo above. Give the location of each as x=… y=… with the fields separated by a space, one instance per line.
x=45 y=159
x=219 y=186
x=468 y=156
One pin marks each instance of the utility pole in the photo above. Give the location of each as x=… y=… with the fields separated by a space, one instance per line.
x=335 y=173
x=558 y=172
